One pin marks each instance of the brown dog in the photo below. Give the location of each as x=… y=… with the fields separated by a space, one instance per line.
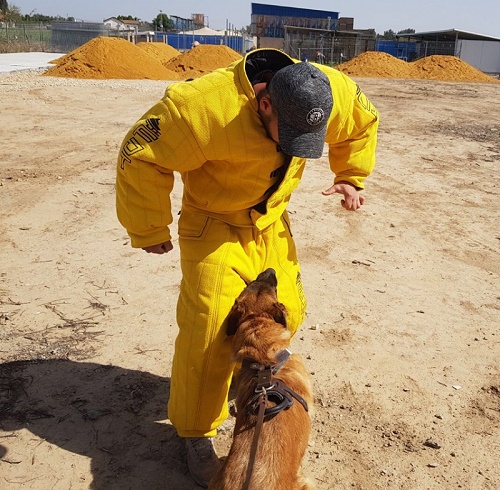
x=258 y=323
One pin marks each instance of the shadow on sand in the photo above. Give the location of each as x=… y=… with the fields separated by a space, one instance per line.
x=106 y=413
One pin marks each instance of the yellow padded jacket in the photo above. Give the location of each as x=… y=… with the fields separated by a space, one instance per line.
x=209 y=131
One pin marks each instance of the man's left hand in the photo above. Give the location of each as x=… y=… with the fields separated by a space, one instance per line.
x=353 y=199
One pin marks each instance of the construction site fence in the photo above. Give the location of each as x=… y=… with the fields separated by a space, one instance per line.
x=334 y=50
x=60 y=37
x=63 y=37
x=329 y=48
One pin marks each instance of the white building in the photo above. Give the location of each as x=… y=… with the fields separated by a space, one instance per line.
x=122 y=25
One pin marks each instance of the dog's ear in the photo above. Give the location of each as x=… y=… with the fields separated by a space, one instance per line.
x=279 y=314
x=234 y=317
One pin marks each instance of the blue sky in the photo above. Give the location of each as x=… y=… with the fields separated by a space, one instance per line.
x=481 y=16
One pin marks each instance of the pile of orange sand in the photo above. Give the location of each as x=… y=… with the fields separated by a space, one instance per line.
x=202 y=59
x=454 y=69
x=161 y=51
x=376 y=64
x=110 y=58
x=436 y=67
x=115 y=58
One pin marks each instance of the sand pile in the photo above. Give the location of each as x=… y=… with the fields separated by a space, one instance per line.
x=161 y=51
x=202 y=59
x=376 y=64
x=436 y=67
x=114 y=58
x=110 y=58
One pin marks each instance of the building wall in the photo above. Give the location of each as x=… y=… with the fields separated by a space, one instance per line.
x=308 y=33
x=345 y=24
x=113 y=23
x=483 y=55
x=270 y=42
x=270 y=20
x=279 y=11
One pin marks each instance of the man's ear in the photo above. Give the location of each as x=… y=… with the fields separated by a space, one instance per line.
x=233 y=319
x=279 y=314
x=265 y=106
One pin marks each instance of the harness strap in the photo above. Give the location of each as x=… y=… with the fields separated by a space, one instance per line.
x=262 y=402
x=283 y=388
x=265 y=373
x=267 y=389
x=281 y=395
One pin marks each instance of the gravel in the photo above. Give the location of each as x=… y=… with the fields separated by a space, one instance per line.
x=33 y=78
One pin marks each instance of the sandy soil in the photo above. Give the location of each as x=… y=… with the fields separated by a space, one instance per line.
x=402 y=330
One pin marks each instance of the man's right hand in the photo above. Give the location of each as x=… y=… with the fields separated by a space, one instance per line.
x=161 y=248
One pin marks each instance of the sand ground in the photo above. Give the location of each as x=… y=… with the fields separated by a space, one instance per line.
x=401 y=334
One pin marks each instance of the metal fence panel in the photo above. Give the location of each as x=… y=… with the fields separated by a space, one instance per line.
x=326 y=47
x=63 y=37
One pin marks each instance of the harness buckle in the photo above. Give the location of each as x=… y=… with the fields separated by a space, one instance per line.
x=264 y=379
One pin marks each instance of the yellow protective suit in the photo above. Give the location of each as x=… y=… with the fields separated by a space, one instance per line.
x=233 y=223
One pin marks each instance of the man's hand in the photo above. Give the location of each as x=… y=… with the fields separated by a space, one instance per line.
x=161 y=248
x=352 y=201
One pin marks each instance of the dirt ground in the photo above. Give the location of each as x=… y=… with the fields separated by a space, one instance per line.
x=401 y=336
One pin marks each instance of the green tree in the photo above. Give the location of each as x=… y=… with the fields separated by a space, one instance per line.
x=127 y=17
x=4 y=6
x=12 y=14
x=163 y=23
x=45 y=19
x=389 y=35
x=407 y=31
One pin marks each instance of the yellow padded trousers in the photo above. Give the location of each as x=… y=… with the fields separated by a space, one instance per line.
x=218 y=260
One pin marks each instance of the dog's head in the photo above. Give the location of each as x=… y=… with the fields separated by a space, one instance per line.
x=257 y=321
x=258 y=299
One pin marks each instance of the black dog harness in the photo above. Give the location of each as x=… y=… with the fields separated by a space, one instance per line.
x=267 y=389
x=273 y=389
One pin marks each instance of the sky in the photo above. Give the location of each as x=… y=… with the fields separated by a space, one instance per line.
x=479 y=16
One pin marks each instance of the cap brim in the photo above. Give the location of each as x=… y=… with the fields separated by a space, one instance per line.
x=299 y=144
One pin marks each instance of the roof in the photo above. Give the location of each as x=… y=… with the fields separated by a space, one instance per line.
x=123 y=21
x=450 y=35
x=204 y=31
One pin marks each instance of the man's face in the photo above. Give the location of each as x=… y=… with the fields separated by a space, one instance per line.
x=269 y=119
x=271 y=125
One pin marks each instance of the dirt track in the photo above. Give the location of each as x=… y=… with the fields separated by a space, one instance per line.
x=404 y=303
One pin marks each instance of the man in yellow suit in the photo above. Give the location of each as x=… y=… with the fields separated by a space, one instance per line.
x=239 y=137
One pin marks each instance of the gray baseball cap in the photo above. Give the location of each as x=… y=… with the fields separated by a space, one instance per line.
x=302 y=99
